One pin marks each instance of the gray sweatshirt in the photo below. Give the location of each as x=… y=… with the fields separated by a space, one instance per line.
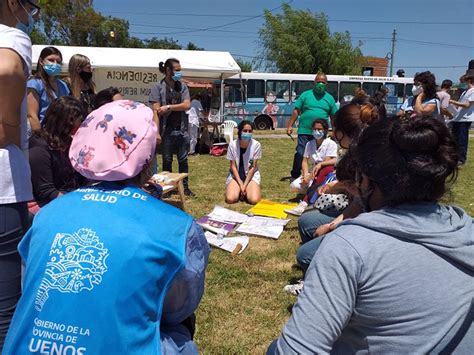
x=396 y=280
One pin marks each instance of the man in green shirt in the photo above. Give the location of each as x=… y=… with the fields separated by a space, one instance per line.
x=311 y=105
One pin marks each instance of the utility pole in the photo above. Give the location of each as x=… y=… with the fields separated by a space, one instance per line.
x=394 y=39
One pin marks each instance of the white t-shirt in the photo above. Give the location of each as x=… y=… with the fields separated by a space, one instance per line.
x=409 y=105
x=328 y=148
x=253 y=152
x=195 y=112
x=15 y=178
x=466 y=114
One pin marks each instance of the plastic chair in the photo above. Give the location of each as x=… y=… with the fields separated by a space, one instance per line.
x=228 y=130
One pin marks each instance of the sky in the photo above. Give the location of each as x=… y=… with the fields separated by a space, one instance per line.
x=436 y=35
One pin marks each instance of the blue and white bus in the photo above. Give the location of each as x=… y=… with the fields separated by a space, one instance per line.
x=265 y=98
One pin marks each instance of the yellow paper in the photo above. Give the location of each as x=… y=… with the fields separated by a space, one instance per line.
x=271 y=209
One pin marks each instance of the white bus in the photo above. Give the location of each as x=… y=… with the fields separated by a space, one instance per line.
x=265 y=98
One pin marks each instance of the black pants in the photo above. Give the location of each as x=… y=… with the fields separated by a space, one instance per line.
x=13 y=224
x=303 y=139
x=176 y=142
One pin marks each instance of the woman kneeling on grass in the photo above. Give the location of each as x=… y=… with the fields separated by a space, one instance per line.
x=396 y=279
x=243 y=181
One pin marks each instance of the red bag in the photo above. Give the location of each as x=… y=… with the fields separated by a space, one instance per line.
x=218 y=149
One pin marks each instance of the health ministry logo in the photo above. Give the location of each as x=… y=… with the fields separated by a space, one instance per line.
x=76 y=263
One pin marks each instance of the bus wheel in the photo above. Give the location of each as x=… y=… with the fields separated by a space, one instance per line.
x=263 y=122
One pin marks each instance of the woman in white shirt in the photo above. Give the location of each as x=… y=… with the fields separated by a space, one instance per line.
x=243 y=181
x=194 y=115
x=319 y=153
x=16 y=23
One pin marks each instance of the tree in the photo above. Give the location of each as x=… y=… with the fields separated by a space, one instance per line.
x=165 y=43
x=246 y=67
x=299 y=41
x=192 y=47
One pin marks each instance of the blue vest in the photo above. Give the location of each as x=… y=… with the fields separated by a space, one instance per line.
x=99 y=262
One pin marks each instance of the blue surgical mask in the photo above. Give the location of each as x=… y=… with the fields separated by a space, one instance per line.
x=28 y=28
x=177 y=76
x=318 y=134
x=246 y=136
x=52 y=69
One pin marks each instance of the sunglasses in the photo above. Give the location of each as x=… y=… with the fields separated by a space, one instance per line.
x=36 y=8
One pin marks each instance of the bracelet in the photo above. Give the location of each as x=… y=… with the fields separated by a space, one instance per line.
x=169 y=107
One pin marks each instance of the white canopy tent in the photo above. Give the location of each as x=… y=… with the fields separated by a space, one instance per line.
x=135 y=70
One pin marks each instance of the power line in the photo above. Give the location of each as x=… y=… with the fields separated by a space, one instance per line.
x=404 y=22
x=192 y=35
x=185 y=28
x=436 y=43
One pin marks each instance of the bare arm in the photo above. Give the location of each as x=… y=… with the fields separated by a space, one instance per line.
x=183 y=106
x=250 y=174
x=461 y=104
x=292 y=120
x=33 y=109
x=328 y=161
x=446 y=112
x=423 y=109
x=235 y=173
x=12 y=92
x=305 y=169
x=155 y=107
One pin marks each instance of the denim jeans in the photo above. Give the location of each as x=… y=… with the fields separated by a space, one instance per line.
x=307 y=224
x=176 y=142
x=13 y=224
x=298 y=158
x=461 y=135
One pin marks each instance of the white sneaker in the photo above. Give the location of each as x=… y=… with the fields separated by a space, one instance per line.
x=298 y=210
x=294 y=289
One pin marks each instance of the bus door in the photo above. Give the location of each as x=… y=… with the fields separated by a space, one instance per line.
x=395 y=97
x=277 y=104
x=234 y=100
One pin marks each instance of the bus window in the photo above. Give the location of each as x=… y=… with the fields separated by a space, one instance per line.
x=408 y=88
x=371 y=88
x=299 y=86
x=332 y=89
x=394 y=98
x=347 y=91
x=255 y=90
x=233 y=91
x=278 y=88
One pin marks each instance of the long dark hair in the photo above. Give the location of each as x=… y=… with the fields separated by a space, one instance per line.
x=410 y=161
x=105 y=96
x=41 y=73
x=428 y=81
x=59 y=121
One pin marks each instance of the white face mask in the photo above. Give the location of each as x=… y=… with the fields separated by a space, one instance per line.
x=416 y=90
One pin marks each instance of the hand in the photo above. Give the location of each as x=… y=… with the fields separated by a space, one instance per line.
x=324 y=189
x=158 y=139
x=164 y=109
x=289 y=130
x=325 y=228
x=316 y=169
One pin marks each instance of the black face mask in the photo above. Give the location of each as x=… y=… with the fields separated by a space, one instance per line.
x=85 y=75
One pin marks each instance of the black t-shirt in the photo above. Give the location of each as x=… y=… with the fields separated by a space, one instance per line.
x=173 y=97
x=242 y=174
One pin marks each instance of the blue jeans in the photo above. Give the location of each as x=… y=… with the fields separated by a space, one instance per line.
x=461 y=135
x=307 y=224
x=298 y=158
x=176 y=142
x=13 y=224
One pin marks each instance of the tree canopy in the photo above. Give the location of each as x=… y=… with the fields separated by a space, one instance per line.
x=76 y=23
x=299 y=41
x=245 y=66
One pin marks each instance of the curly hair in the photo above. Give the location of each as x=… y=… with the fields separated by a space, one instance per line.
x=428 y=81
x=59 y=121
x=410 y=161
x=351 y=119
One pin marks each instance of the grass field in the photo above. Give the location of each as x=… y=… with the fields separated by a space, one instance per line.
x=244 y=307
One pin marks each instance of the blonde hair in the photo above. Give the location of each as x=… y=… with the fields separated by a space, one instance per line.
x=76 y=63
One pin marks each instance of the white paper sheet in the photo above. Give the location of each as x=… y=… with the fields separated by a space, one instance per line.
x=267 y=221
x=223 y=214
x=228 y=244
x=263 y=231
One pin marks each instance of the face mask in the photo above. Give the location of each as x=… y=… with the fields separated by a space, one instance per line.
x=177 y=76
x=318 y=134
x=320 y=88
x=52 y=69
x=85 y=75
x=416 y=90
x=246 y=136
x=28 y=28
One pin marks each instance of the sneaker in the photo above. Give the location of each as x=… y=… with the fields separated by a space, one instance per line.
x=188 y=192
x=298 y=210
x=294 y=289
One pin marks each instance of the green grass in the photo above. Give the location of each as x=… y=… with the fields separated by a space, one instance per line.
x=244 y=308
